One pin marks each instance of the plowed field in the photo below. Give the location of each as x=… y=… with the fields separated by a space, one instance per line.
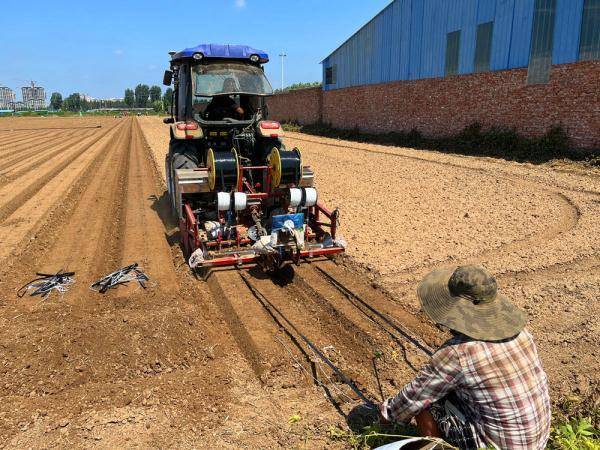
x=188 y=363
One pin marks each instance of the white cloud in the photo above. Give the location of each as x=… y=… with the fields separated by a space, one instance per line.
x=240 y=3
x=119 y=52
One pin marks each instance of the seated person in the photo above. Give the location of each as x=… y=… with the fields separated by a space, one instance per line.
x=223 y=106
x=249 y=104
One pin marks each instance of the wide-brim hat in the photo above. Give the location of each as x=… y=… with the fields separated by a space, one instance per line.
x=465 y=299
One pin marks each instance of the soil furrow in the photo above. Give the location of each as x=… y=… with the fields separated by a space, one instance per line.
x=144 y=233
x=28 y=161
x=56 y=128
x=56 y=167
x=88 y=244
x=41 y=215
x=28 y=147
x=250 y=326
x=25 y=141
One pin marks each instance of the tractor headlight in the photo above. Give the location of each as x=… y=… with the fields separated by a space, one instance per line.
x=198 y=56
x=254 y=58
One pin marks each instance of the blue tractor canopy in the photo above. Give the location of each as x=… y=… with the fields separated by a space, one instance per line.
x=242 y=52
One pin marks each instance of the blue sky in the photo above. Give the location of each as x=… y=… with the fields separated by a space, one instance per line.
x=101 y=47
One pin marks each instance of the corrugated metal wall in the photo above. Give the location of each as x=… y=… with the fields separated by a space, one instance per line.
x=407 y=40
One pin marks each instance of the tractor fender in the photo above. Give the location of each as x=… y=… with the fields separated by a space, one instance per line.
x=179 y=130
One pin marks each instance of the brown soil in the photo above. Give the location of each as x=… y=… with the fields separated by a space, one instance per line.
x=188 y=363
x=406 y=212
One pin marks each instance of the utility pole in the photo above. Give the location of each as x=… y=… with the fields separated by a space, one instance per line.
x=282 y=55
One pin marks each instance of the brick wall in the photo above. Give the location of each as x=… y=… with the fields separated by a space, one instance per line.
x=444 y=106
x=303 y=106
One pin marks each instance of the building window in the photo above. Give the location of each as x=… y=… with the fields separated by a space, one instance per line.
x=542 y=34
x=452 y=52
x=330 y=74
x=589 y=44
x=483 y=46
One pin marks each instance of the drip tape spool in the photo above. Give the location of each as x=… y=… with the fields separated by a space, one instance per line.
x=286 y=166
x=304 y=197
x=223 y=170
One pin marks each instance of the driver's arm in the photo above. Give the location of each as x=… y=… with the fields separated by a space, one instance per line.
x=239 y=111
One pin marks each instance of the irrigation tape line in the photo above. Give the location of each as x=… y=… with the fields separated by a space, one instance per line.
x=46 y=283
x=121 y=276
x=331 y=382
x=348 y=293
x=266 y=303
x=311 y=376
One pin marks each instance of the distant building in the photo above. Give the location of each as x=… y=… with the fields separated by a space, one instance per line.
x=7 y=98
x=18 y=106
x=34 y=97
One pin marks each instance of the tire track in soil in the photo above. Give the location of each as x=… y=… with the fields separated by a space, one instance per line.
x=27 y=162
x=51 y=171
x=566 y=222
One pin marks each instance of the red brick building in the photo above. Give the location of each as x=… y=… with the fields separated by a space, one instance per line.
x=421 y=64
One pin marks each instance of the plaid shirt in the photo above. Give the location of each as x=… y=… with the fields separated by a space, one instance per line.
x=501 y=387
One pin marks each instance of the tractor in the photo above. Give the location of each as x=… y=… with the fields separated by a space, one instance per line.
x=240 y=196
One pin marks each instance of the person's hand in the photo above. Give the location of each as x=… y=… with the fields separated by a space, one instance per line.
x=382 y=415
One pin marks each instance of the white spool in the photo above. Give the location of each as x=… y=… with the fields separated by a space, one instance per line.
x=239 y=201
x=223 y=201
x=310 y=197
x=295 y=197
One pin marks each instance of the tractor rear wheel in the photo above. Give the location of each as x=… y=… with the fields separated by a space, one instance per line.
x=184 y=155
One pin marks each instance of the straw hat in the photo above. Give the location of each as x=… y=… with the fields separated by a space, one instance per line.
x=466 y=299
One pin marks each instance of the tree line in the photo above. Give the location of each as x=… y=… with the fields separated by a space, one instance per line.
x=296 y=86
x=142 y=96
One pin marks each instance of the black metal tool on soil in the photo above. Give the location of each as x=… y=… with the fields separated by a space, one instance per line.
x=377 y=356
x=122 y=276
x=46 y=283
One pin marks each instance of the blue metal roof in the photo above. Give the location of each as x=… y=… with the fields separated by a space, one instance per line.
x=222 y=51
x=407 y=39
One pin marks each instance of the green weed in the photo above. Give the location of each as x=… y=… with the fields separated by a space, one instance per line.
x=473 y=140
x=576 y=434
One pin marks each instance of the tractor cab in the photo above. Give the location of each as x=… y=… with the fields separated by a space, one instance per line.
x=219 y=99
x=240 y=195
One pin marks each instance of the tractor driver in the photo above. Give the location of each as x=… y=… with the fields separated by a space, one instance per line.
x=223 y=106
